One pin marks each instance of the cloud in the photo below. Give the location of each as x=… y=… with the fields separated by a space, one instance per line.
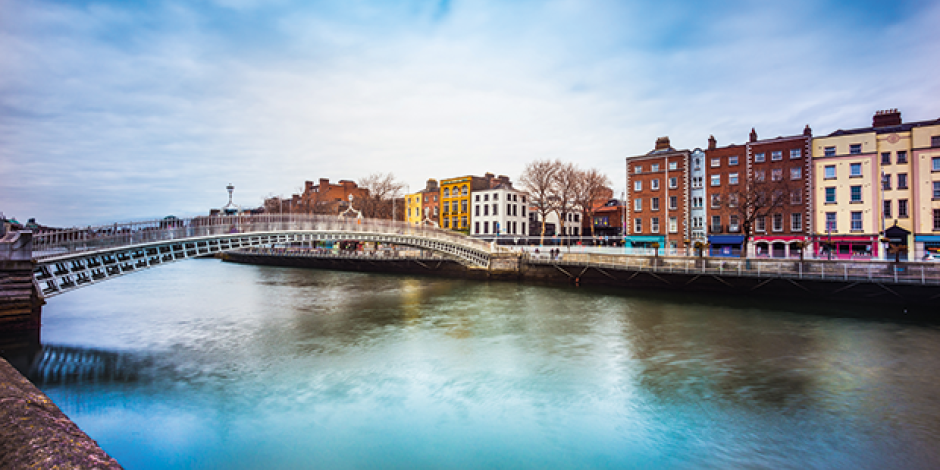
x=110 y=111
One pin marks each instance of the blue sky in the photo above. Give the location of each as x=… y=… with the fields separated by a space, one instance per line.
x=113 y=111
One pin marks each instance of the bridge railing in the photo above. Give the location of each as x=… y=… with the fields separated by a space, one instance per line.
x=115 y=235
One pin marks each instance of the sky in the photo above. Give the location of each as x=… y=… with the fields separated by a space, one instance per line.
x=121 y=111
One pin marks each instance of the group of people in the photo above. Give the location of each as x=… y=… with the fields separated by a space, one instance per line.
x=554 y=253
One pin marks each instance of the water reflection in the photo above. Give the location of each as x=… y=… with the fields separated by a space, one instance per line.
x=315 y=368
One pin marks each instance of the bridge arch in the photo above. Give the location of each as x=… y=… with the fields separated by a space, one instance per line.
x=68 y=260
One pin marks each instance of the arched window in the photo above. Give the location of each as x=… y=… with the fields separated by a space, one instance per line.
x=446 y=192
x=463 y=190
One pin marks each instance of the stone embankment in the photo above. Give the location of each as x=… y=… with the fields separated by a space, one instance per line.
x=34 y=433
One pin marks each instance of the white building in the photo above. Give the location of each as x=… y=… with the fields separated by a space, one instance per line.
x=500 y=211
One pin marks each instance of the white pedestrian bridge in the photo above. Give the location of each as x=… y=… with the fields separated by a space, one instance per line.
x=73 y=258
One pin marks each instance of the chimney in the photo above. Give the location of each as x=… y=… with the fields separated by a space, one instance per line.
x=712 y=143
x=753 y=135
x=324 y=183
x=888 y=117
x=662 y=143
x=807 y=131
x=308 y=186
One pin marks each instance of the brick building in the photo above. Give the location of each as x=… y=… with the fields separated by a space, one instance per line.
x=657 y=202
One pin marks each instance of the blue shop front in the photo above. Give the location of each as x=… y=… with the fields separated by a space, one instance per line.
x=728 y=246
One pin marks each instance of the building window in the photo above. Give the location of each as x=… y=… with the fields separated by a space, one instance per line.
x=696 y=203
x=716 y=201
x=855 y=169
x=463 y=206
x=857 y=221
x=936 y=189
x=829 y=152
x=796 y=197
x=654 y=167
x=795 y=153
x=935 y=164
x=732 y=178
x=716 y=180
x=760 y=176
x=829 y=172
x=795 y=173
x=759 y=157
x=654 y=184
x=902 y=208
x=673 y=165
x=733 y=225
x=486 y=227
x=776 y=155
x=936 y=216
x=476 y=211
x=509 y=209
x=476 y=228
x=733 y=160
x=760 y=224
x=716 y=162
x=830 y=195
x=776 y=174
x=902 y=157
x=495 y=209
x=831 y=222
x=855 y=149
x=464 y=190
x=796 y=222
x=778 y=222
x=902 y=180
x=638 y=169
x=885 y=158
x=495 y=196
x=654 y=204
x=935 y=142
x=885 y=182
x=716 y=224
x=887 y=209
x=446 y=192
x=673 y=225
x=673 y=182
x=855 y=194
x=637 y=225
x=673 y=202
x=638 y=205
x=696 y=182
x=486 y=197
x=733 y=200
x=637 y=186
x=654 y=225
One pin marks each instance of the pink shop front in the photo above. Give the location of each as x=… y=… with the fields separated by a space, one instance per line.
x=777 y=247
x=846 y=247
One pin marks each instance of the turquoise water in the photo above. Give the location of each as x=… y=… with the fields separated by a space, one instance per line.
x=216 y=365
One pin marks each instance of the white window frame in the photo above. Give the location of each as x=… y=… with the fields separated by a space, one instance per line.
x=827 y=174
x=796 y=222
x=654 y=184
x=795 y=153
x=638 y=205
x=760 y=157
x=716 y=180
x=732 y=178
x=776 y=155
x=716 y=162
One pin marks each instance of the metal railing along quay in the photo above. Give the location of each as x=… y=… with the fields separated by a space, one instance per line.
x=924 y=273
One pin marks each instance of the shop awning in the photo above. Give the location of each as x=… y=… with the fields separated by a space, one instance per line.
x=726 y=239
x=645 y=238
x=927 y=238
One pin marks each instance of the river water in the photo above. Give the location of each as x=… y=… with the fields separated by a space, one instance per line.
x=203 y=364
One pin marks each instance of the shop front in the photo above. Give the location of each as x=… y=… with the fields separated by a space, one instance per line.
x=777 y=247
x=927 y=246
x=863 y=247
x=728 y=246
x=643 y=244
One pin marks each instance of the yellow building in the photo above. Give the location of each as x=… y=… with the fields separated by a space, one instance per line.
x=455 y=199
x=413 y=205
x=925 y=188
x=869 y=180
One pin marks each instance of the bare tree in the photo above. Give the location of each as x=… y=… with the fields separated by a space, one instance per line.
x=538 y=179
x=384 y=189
x=593 y=186
x=755 y=200
x=567 y=180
